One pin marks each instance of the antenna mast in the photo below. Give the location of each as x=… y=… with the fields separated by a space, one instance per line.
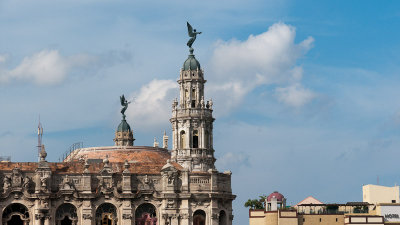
x=40 y=134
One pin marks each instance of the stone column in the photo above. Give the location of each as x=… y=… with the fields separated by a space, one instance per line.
x=127 y=218
x=1 y=214
x=214 y=179
x=214 y=212
x=47 y=220
x=87 y=216
x=184 y=210
x=174 y=219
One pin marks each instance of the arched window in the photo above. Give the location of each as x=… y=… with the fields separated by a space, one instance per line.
x=195 y=138
x=146 y=214
x=222 y=218
x=182 y=141
x=193 y=98
x=66 y=215
x=106 y=214
x=15 y=214
x=199 y=217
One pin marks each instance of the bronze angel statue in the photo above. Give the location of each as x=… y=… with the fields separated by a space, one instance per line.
x=124 y=104
x=192 y=34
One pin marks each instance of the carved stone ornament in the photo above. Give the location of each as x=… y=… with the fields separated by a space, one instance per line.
x=87 y=216
x=214 y=216
x=184 y=216
x=6 y=183
x=38 y=216
x=127 y=216
x=86 y=203
x=16 y=177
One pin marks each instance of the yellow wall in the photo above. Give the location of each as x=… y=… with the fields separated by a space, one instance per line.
x=380 y=194
x=271 y=218
x=256 y=217
x=325 y=219
x=287 y=218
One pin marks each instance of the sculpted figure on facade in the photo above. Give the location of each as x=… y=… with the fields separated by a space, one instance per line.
x=6 y=183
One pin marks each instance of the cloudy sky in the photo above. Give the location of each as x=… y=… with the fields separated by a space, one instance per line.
x=305 y=92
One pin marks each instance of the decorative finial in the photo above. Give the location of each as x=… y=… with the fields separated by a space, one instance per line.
x=43 y=154
x=192 y=34
x=124 y=104
x=86 y=166
x=106 y=161
x=155 y=143
x=126 y=166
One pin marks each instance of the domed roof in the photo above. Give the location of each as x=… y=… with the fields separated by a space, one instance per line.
x=143 y=159
x=123 y=126
x=191 y=62
x=279 y=197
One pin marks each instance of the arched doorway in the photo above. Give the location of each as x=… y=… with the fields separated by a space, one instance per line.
x=199 y=217
x=106 y=214
x=15 y=214
x=66 y=215
x=222 y=218
x=146 y=214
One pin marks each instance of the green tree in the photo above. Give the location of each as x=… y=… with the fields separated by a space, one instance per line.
x=256 y=203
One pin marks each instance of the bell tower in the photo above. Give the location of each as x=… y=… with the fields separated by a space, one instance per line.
x=192 y=121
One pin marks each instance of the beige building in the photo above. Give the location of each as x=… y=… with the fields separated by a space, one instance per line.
x=310 y=211
x=375 y=194
x=127 y=184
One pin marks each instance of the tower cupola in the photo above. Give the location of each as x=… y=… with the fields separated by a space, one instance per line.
x=191 y=62
x=124 y=134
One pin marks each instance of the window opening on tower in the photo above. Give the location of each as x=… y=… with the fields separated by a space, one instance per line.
x=193 y=98
x=195 y=139
x=182 y=140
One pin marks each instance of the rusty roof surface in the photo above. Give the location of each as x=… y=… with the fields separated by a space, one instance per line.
x=141 y=159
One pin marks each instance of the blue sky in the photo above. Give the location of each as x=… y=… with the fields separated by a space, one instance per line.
x=305 y=92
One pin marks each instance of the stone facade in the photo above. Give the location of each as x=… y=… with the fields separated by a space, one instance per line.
x=127 y=184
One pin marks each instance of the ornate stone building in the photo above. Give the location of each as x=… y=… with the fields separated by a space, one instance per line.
x=126 y=184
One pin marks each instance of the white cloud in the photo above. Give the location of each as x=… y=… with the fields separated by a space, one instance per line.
x=49 y=67
x=151 y=106
x=45 y=67
x=294 y=95
x=267 y=58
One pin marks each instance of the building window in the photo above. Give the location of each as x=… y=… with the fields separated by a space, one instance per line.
x=393 y=201
x=336 y=219
x=195 y=139
x=320 y=220
x=199 y=217
x=193 y=98
x=304 y=219
x=146 y=214
x=182 y=142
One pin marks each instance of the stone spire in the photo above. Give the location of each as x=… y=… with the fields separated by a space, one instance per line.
x=165 y=140
x=192 y=121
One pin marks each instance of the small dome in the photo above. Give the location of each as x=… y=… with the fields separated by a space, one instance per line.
x=191 y=63
x=123 y=126
x=279 y=197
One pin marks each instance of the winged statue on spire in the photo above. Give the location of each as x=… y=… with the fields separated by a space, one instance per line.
x=124 y=104
x=192 y=34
